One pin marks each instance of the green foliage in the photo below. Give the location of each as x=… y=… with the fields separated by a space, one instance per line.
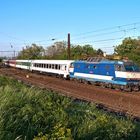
x=100 y=52
x=56 y=51
x=59 y=51
x=80 y=52
x=58 y=132
x=129 y=48
x=30 y=113
x=31 y=52
x=135 y=55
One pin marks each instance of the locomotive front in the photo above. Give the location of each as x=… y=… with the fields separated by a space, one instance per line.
x=130 y=74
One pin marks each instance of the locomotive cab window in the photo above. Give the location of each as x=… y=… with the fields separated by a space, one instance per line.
x=119 y=68
x=131 y=67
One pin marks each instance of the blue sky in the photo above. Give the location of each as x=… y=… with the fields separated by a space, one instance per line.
x=23 y=22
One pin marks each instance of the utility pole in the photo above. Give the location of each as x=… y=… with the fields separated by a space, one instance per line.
x=14 y=54
x=68 y=46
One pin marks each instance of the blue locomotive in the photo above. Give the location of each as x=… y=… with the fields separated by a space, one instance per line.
x=124 y=75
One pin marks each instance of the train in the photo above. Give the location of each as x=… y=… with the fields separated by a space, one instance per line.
x=123 y=75
x=59 y=68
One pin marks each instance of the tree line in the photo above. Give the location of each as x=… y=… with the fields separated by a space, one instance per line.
x=129 y=48
x=58 y=51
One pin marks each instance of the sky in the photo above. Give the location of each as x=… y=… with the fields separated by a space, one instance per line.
x=101 y=23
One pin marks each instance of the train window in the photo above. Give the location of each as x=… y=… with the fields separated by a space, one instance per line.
x=49 y=66
x=95 y=67
x=119 y=68
x=56 y=67
x=88 y=66
x=52 y=66
x=59 y=67
x=46 y=65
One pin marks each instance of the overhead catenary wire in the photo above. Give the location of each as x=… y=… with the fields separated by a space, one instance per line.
x=123 y=29
x=107 y=33
x=80 y=34
x=109 y=28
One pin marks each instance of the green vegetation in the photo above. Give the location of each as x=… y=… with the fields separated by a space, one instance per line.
x=31 y=52
x=59 y=51
x=32 y=113
x=129 y=48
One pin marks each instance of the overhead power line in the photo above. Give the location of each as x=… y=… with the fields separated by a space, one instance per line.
x=85 y=35
x=107 y=33
x=109 y=28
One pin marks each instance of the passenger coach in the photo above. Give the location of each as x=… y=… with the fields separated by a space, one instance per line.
x=59 y=68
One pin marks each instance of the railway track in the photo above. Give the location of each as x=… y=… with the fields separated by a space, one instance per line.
x=116 y=101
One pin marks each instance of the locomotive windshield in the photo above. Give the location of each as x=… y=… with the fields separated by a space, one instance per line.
x=131 y=67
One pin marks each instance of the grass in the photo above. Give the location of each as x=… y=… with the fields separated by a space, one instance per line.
x=31 y=113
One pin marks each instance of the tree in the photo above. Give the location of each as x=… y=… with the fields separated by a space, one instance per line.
x=100 y=52
x=56 y=51
x=129 y=48
x=31 y=52
x=81 y=52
